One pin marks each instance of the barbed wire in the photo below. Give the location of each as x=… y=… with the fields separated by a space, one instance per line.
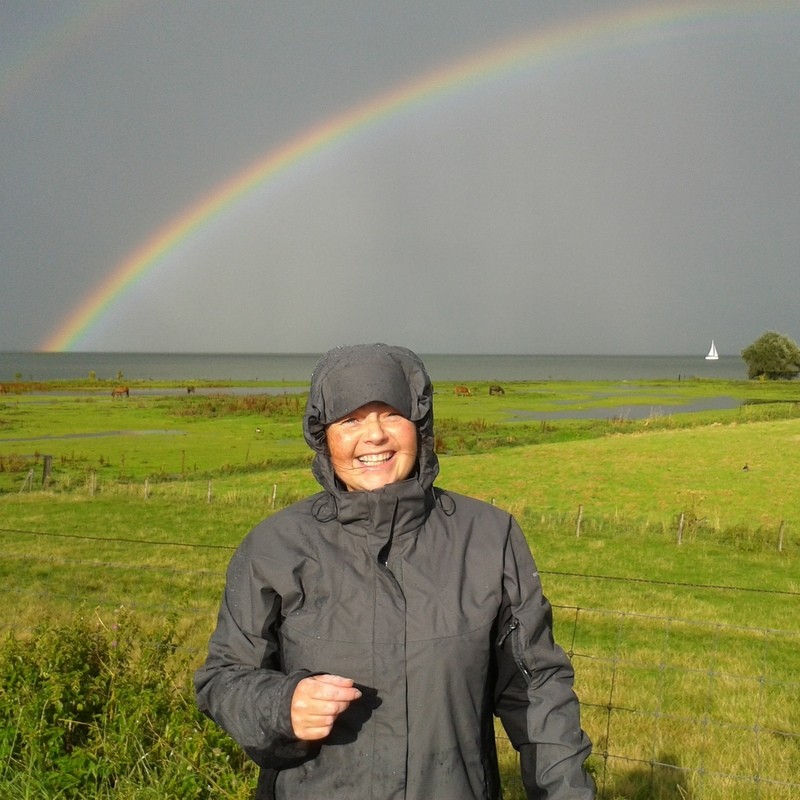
x=118 y=539
x=690 y=585
x=231 y=548
x=615 y=712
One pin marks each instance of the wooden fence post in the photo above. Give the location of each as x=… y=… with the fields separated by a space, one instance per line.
x=780 y=535
x=208 y=493
x=680 y=528
x=274 y=494
x=578 y=523
x=47 y=466
x=27 y=482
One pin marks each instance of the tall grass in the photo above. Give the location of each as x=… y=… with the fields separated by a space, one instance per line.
x=98 y=708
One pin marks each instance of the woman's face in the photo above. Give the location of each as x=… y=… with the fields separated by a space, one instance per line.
x=372 y=447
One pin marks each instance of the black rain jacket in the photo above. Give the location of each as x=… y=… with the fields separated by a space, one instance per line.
x=429 y=600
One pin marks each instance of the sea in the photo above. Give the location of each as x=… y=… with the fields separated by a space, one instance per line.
x=297 y=367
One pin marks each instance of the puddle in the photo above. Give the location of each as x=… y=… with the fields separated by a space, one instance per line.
x=633 y=411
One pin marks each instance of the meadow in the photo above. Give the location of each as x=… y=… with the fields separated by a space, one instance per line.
x=668 y=543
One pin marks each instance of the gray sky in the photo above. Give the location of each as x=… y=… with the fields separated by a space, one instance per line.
x=632 y=189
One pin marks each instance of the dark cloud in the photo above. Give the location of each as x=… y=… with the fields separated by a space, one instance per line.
x=634 y=196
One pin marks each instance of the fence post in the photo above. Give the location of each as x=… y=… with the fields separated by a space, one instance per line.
x=680 y=528
x=28 y=481
x=578 y=523
x=208 y=493
x=274 y=494
x=780 y=535
x=146 y=488
x=47 y=466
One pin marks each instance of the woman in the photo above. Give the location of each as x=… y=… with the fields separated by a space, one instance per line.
x=369 y=633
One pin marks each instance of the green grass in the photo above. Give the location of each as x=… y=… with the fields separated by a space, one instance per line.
x=686 y=654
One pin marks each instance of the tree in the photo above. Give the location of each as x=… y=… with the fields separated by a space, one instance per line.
x=773 y=357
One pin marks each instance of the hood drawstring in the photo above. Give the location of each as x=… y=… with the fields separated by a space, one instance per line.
x=324 y=508
x=445 y=501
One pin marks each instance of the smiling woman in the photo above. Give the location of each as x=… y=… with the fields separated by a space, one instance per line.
x=372 y=446
x=370 y=632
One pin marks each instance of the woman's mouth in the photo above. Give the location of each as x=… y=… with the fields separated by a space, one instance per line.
x=372 y=459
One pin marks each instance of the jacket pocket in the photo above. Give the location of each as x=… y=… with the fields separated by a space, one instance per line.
x=512 y=630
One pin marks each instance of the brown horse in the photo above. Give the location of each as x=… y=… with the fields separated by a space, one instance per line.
x=462 y=391
x=190 y=390
x=120 y=391
x=3 y=389
x=496 y=388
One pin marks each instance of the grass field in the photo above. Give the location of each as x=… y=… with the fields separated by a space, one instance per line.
x=674 y=571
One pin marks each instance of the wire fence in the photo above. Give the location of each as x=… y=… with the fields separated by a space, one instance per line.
x=675 y=707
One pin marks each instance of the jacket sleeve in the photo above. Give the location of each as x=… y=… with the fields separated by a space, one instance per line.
x=534 y=697
x=241 y=685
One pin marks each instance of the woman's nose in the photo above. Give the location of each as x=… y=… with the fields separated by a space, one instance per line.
x=375 y=432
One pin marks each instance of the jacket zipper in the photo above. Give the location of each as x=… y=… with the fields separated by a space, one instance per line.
x=511 y=630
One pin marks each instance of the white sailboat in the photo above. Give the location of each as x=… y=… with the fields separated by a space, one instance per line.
x=712 y=353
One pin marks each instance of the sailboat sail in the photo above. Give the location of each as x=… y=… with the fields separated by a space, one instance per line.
x=712 y=353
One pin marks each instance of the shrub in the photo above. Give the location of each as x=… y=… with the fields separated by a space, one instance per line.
x=289 y=406
x=772 y=356
x=90 y=709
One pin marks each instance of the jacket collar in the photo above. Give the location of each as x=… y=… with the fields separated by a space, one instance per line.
x=403 y=505
x=389 y=517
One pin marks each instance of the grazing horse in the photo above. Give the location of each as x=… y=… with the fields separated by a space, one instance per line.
x=190 y=390
x=119 y=391
x=462 y=391
x=496 y=388
x=3 y=389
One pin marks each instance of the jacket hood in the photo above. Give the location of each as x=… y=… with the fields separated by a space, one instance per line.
x=347 y=378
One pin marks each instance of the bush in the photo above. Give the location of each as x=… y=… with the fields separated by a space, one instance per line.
x=90 y=709
x=772 y=356
x=289 y=406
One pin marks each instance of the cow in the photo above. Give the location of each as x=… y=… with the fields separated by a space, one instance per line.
x=496 y=388
x=462 y=391
x=120 y=391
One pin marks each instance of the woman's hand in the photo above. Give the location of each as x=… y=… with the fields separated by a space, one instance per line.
x=317 y=702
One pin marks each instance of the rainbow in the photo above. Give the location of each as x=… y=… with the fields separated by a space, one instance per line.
x=582 y=36
x=36 y=56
